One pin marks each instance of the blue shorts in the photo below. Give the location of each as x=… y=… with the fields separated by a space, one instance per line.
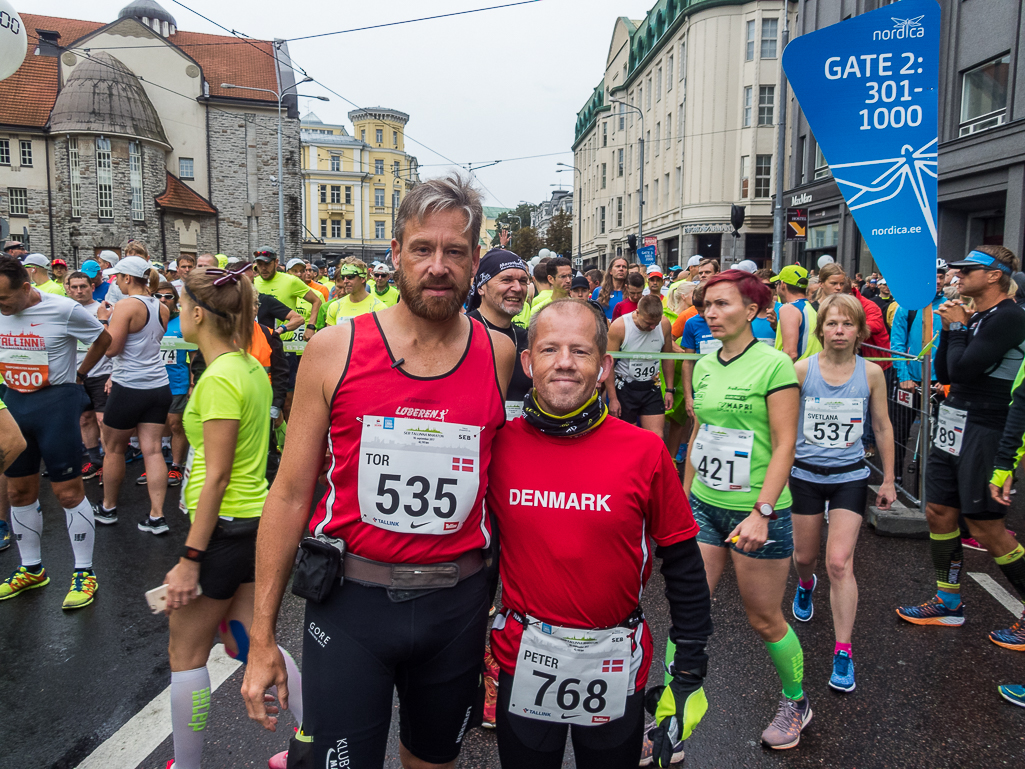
x=48 y=419
x=717 y=522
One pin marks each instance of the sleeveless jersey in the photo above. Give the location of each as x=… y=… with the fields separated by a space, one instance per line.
x=825 y=417
x=409 y=455
x=807 y=343
x=635 y=340
x=139 y=365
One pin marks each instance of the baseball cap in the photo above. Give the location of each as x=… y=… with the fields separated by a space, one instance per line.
x=655 y=270
x=293 y=262
x=381 y=269
x=975 y=259
x=135 y=266
x=694 y=261
x=109 y=257
x=580 y=282
x=265 y=254
x=792 y=275
x=941 y=265
x=676 y=268
x=37 y=260
x=60 y=262
x=882 y=282
x=13 y=244
x=746 y=266
x=173 y=266
x=872 y=280
x=90 y=268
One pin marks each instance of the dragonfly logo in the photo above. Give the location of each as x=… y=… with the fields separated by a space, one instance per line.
x=902 y=29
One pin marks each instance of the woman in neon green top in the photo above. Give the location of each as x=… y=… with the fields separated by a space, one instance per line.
x=228 y=424
x=741 y=449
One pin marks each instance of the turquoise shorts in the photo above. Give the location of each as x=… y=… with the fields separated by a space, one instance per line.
x=717 y=522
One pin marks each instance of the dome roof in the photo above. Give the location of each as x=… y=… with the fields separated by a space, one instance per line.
x=103 y=96
x=146 y=9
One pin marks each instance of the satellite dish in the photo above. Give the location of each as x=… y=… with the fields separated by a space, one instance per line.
x=13 y=40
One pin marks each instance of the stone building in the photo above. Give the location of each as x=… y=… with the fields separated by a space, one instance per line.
x=125 y=131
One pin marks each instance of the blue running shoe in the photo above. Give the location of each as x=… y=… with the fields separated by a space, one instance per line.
x=843 y=673
x=1011 y=638
x=681 y=452
x=5 y=535
x=131 y=454
x=1013 y=694
x=803 y=607
x=933 y=612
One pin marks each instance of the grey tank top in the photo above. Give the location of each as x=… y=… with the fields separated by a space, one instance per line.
x=138 y=366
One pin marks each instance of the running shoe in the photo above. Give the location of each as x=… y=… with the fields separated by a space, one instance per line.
x=490 y=689
x=1013 y=694
x=83 y=590
x=131 y=454
x=174 y=476
x=1012 y=638
x=278 y=760
x=91 y=470
x=141 y=480
x=154 y=525
x=648 y=747
x=791 y=718
x=803 y=607
x=22 y=579
x=972 y=544
x=103 y=515
x=843 y=672
x=933 y=612
x=5 y=535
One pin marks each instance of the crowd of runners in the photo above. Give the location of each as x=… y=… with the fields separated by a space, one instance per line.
x=399 y=403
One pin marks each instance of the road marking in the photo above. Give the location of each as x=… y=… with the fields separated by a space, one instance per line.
x=144 y=732
x=992 y=587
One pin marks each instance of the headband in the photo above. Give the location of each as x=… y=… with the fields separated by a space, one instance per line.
x=204 y=305
x=977 y=257
x=491 y=264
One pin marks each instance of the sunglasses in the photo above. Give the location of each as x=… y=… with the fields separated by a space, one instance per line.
x=164 y=296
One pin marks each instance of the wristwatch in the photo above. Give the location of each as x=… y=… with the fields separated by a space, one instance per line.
x=192 y=554
x=956 y=326
x=766 y=510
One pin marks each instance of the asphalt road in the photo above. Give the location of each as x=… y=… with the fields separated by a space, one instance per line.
x=926 y=696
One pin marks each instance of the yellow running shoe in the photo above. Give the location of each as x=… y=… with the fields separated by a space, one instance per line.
x=22 y=579
x=83 y=590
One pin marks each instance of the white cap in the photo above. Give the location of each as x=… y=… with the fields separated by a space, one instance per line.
x=654 y=269
x=135 y=266
x=108 y=256
x=236 y=260
x=37 y=260
x=694 y=261
x=881 y=282
x=172 y=267
x=824 y=260
x=293 y=262
x=746 y=266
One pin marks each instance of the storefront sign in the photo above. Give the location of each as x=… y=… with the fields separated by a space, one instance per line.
x=702 y=229
x=869 y=88
x=800 y=200
x=797 y=225
x=651 y=240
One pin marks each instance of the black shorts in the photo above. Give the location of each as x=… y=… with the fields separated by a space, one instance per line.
x=127 y=408
x=640 y=399
x=811 y=498
x=962 y=482
x=293 y=367
x=359 y=646
x=48 y=419
x=526 y=743
x=230 y=559
x=96 y=389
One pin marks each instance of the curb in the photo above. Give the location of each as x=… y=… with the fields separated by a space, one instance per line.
x=899 y=521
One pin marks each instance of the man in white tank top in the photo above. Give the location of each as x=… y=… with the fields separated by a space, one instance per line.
x=637 y=396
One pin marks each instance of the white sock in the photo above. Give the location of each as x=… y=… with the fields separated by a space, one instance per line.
x=133 y=442
x=27 y=525
x=190 y=707
x=295 y=687
x=82 y=531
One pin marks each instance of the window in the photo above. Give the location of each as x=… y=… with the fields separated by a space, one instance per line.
x=669 y=74
x=605 y=134
x=395 y=168
x=823 y=236
x=26 y=152
x=763 y=175
x=336 y=163
x=647 y=104
x=135 y=179
x=622 y=116
x=984 y=96
x=603 y=175
x=683 y=60
x=658 y=138
x=5 y=151
x=821 y=166
x=348 y=196
x=380 y=135
x=749 y=51
x=363 y=134
x=766 y=95
x=379 y=230
x=658 y=85
x=336 y=193
x=323 y=193
x=769 y=27
x=619 y=212
x=745 y=170
x=76 y=178
x=655 y=199
x=379 y=196
x=105 y=178
x=186 y=166
x=323 y=228
x=647 y=140
x=379 y=167
x=395 y=138
x=601 y=219
x=620 y=163
x=336 y=228
x=629 y=156
x=747 y=106
x=669 y=131
x=17 y=198
x=395 y=199
x=665 y=188
x=348 y=228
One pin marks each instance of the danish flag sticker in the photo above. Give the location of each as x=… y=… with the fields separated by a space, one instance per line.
x=463 y=465
x=612 y=666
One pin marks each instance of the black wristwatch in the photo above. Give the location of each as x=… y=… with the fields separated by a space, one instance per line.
x=192 y=554
x=311 y=326
x=80 y=377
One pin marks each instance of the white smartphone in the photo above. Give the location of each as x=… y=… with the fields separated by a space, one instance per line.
x=157 y=598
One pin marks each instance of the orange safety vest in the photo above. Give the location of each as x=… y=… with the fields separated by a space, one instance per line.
x=260 y=348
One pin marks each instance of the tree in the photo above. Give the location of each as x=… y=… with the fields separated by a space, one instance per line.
x=526 y=243
x=560 y=234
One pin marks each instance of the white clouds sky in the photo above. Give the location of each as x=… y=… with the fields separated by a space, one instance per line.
x=499 y=84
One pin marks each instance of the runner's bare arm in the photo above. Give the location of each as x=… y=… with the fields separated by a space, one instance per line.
x=96 y=351
x=790 y=317
x=884 y=433
x=505 y=359
x=782 y=406
x=617 y=333
x=12 y=442
x=801 y=369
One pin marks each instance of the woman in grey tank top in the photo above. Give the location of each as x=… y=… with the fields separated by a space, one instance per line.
x=840 y=392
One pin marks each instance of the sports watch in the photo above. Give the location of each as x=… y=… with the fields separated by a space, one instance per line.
x=956 y=326
x=766 y=510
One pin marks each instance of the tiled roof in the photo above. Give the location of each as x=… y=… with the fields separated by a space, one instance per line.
x=180 y=197
x=27 y=97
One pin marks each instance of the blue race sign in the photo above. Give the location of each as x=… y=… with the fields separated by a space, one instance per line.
x=869 y=87
x=646 y=255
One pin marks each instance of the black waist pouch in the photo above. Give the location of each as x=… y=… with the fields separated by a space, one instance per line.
x=318 y=568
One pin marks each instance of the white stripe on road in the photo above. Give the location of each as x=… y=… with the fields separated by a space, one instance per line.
x=992 y=587
x=129 y=745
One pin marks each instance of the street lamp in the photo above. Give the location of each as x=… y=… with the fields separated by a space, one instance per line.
x=281 y=180
x=640 y=189
x=578 y=211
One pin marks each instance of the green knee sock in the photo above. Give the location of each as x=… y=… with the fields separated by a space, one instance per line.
x=670 y=656
x=788 y=658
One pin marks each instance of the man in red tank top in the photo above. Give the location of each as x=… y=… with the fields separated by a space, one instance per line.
x=405 y=404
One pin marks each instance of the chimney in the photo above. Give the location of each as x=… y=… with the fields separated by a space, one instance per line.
x=49 y=44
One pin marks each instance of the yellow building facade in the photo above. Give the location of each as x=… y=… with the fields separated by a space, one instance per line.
x=353 y=183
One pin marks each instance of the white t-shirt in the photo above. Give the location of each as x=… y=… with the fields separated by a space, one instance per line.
x=39 y=345
x=114 y=294
x=106 y=365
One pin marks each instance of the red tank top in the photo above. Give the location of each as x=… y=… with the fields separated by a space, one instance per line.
x=409 y=455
